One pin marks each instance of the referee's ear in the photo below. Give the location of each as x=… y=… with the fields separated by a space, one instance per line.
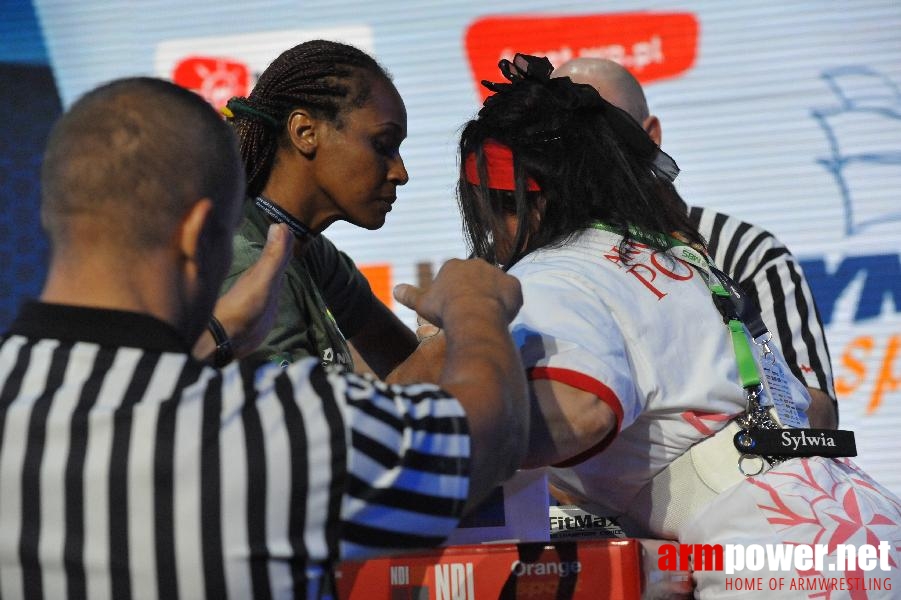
x=189 y=236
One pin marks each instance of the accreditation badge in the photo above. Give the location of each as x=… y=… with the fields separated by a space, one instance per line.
x=776 y=391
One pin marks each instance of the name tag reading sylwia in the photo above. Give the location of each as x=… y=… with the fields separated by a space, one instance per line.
x=796 y=442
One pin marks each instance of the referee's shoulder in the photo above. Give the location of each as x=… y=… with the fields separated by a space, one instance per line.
x=307 y=377
x=728 y=234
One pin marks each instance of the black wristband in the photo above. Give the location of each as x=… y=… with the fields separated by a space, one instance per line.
x=224 y=352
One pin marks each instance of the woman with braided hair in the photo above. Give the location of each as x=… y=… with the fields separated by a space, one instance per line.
x=320 y=136
x=652 y=401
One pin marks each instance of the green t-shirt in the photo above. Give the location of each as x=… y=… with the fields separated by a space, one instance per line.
x=324 y=298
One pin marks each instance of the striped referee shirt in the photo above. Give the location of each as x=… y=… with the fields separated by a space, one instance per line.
x=130 y=470
x=768 y=272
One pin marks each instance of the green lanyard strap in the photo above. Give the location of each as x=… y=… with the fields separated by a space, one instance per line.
x=747 y=366
x=729 y=301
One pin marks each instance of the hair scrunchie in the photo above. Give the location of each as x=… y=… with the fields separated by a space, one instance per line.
x=240 y=107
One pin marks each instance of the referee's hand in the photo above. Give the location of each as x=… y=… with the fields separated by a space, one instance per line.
x=471 y=282
x=248 y=310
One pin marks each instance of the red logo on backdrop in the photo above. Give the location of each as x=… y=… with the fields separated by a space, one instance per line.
x=216 y=79
x=651 y=45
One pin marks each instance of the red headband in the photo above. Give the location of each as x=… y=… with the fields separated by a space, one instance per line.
x=499 y=164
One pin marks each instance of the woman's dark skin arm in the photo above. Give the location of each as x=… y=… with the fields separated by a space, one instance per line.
x=384 y=341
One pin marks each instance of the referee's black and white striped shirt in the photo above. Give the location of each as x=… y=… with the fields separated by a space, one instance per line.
x=767 y=271
x=129 y=470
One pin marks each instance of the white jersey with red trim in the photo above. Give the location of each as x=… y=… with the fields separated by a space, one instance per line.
x=642 y=334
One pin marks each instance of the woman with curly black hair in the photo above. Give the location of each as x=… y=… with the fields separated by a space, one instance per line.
x=656 y=397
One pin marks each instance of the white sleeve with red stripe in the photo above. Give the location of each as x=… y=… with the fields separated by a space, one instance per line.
x=566 y=333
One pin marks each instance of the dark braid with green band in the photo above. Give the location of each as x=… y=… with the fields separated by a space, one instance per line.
x=239 y=106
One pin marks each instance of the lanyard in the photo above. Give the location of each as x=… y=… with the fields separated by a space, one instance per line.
x=280 y=215
x=728 y=299
x=762 y=438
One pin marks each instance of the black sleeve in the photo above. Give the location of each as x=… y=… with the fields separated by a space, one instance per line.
x=343 y=287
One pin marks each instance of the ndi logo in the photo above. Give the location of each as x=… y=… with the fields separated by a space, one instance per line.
x=454 y=581
x=400 y=575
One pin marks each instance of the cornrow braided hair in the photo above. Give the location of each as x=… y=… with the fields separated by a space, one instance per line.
x=327 y=78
